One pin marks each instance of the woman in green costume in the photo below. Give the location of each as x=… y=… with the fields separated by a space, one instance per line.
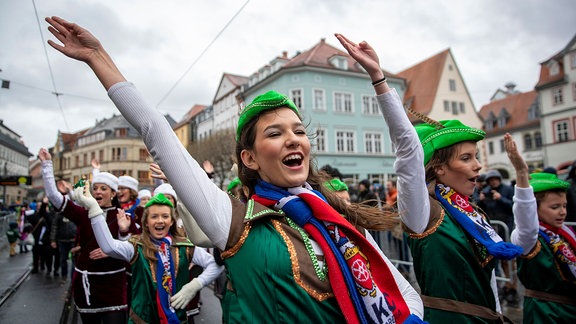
x=291 y=256
x=455 y=256
x=159 y=257
x=548 y=266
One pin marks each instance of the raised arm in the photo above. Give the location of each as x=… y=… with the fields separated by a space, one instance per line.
x=524 y=208
x=409 y=164
x=55 y=197
x=210 y=205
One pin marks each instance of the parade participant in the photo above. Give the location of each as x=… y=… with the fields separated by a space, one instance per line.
x=339 y=188
x=275 y=268
x=99 y=285
x=144 y=196
x=455 y=257
x=547 y=269
x=160 y=257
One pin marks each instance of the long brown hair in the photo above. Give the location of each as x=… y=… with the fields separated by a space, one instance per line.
x=358 y=214
x=150 y=248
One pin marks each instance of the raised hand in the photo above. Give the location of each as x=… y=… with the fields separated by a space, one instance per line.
x=84 y=198
x=364 y=54
x=517 y=161
x=123 y=220
x=157 y=173
x=77 y=42
x=44 y=155
x=95 y=163
x=208 y=167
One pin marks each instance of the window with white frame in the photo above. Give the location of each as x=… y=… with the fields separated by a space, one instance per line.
x=370 y=105
x=538 y=140
x=342 y=102
x=554 y=68
x=321 y=140
x=452 y=84
x=454 y=108
x=373 y=142
x=319 y=99
x=557 y=96
x=527 y=142
x=296 y=96
x=562 y=131
x=345 y=141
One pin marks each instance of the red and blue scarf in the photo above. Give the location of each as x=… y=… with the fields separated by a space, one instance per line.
x=363 y=285
x=475 y=224
x=562 y=242
x=165 y=281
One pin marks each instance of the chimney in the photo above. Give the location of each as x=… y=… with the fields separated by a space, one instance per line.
x=284 y=54
x=510 y=87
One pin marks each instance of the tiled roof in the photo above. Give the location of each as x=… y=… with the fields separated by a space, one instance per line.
x=69 y=139
x=319 y=56
x=423 y=80
x=545 y=77
x=517 y=106
x=195 y=110
x=237 y=80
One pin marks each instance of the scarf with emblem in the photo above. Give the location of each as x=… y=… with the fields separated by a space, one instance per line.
x=165 y=281
x=475 y=224
x=363 y=285
x=562 y=242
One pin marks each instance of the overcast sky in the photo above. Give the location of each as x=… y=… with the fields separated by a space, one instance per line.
x=176 y=51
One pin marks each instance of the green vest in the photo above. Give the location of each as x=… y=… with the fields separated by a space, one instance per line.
x=541 y=274
x=143 y=305
x=448 y=264
x=271 y=275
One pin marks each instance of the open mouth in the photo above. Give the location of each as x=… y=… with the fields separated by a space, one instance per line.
x=293 y=160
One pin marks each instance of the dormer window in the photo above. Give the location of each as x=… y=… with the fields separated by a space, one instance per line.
x=339 y=62
x=554 y=68
x=503 y=118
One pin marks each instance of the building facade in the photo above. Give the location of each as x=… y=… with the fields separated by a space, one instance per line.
x=14 y=157
x=556 y=88
x=516 y=113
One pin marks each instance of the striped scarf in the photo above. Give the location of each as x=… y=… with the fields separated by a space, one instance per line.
x=363 y=285
x=475 y=224
x=562 y=242
x=165 y=281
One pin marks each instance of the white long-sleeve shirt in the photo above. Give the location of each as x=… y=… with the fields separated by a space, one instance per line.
x=212 y=207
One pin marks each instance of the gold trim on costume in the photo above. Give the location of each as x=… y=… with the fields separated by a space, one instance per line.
x=535 y=250
x=296 y=266
x=231 y=251
x=431 y=230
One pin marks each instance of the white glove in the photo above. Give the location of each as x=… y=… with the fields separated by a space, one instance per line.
x=84 y=198
x=185 y=295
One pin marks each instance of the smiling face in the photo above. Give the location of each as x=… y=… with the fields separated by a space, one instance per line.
x=281 y=151
x=103 y=194
x=461 y=170
x=124 y=194
x=552 y=208
x=158 y=220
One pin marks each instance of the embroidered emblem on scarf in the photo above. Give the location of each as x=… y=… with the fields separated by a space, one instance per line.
x=475 y=224
x=165 y=281
x=131 y=206
x=364 y=296
x=562 y=242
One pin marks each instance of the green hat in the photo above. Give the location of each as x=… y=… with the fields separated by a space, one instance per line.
x=235 y=182
x=542 y=181
x=444 y=134
x=335 y=185
x=159 y=199
x=269 y=100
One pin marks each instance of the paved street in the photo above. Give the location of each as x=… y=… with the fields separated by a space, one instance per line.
x=38 y=298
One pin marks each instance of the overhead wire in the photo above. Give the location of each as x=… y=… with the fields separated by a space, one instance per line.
x=202 y=53
x=54 y=92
